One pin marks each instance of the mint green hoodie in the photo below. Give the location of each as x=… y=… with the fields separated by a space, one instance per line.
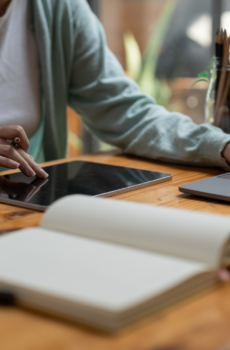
x=77 y=69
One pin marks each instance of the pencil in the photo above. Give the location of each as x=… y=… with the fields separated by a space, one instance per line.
x=227 y=84
x=222 y=78
x=16 y=141
x=219 y=55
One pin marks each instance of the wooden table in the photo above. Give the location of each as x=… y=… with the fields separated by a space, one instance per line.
x=201 y=322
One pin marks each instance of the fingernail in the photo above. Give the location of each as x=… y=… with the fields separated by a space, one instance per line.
x=30 y=172
x=42 y=173
x=13 y=164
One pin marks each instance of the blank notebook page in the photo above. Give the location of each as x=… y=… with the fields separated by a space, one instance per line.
x=90 y=272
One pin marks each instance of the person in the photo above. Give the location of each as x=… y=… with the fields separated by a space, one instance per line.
x=54 y=54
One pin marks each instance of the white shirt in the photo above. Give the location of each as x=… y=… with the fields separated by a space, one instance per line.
x=20 y=102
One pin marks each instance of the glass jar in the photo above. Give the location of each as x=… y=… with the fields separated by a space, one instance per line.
x=217 y=110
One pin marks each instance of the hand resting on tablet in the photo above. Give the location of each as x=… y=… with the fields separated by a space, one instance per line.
x=17 y=157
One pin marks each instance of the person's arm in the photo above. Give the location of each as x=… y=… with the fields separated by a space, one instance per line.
x=17 y=157
x=113 y=108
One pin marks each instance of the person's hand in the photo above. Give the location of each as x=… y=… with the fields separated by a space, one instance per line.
x=17 y=157
x=223 y=274
x=226 y=152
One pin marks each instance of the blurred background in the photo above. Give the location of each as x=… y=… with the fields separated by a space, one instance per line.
x=163 y=45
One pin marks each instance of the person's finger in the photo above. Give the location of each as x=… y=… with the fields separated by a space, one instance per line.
x=36 y=167
x=10 y=132
x=10 y=152
x=9 y=163
x=27 y=165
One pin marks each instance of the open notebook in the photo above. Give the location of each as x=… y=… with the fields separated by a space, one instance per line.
x=108 y=262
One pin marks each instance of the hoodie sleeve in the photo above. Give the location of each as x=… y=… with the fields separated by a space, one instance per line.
x=113 y=108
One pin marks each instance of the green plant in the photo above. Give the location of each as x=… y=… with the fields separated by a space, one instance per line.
x=204 y=76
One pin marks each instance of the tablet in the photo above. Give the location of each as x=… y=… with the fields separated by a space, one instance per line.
x=77 y=177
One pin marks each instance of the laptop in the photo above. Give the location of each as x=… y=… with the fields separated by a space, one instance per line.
x=217 y=187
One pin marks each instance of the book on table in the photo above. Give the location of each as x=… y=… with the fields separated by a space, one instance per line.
x=107 y=263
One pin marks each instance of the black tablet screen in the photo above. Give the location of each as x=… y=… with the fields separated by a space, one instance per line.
x=77 y=177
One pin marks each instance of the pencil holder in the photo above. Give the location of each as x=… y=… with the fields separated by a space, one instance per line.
x=217 y=111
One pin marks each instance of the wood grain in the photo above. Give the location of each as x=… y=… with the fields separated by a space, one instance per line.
x=201 y=322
